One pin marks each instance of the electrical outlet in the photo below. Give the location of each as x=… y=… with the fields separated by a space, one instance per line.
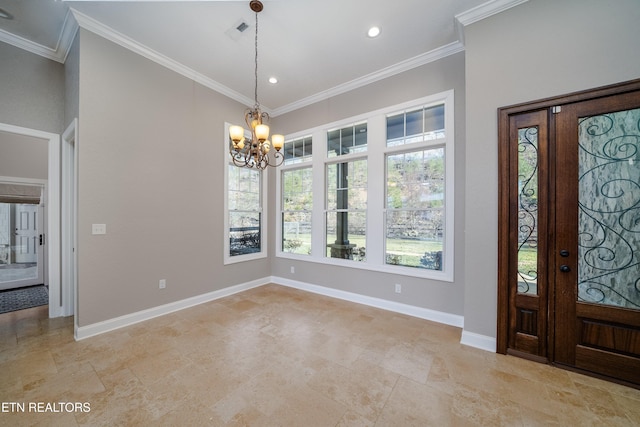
x=293 y=270
x=398 y=288
x=162 y=284
x=98 y=228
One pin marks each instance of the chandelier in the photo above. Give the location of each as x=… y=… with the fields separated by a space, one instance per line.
x=254 y=153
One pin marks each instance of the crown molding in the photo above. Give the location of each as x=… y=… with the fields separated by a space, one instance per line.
x=486 y=10
x=114 y=36
x=400 y=67
x=68 y=33
x=468 y=17
x=59 y=54
x=481 y=12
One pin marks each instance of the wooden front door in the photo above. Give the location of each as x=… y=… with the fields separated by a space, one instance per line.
x=569 y=269
x=598 y=229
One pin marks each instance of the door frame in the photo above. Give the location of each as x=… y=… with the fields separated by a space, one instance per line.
x=504 y=226
x=52 y=198
x=69 y=215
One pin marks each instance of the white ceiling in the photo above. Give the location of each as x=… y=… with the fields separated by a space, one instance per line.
x=316 y=48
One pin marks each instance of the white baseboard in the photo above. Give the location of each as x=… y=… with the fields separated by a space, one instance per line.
x=468 y=338
x=483 y=342
x=409 y=310
x=82 y=332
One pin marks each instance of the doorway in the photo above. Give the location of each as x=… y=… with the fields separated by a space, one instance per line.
x=52 y=206
x=22 y=255
x=569 y=231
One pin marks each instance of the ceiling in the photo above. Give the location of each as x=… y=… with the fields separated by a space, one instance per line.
x=315 y=48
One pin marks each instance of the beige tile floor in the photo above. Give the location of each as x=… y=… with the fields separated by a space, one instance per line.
x=275 y=356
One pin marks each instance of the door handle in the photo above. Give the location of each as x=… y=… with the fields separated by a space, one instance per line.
x=564 y=253
x=565 y=268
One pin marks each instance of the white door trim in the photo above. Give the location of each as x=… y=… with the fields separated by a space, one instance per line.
x=53 y=211
x=69 y=203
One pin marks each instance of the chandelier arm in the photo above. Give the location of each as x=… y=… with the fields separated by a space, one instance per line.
x=238 y=159
x=279 y=159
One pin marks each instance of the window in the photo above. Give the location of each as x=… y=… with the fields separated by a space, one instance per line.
x=423 y=124
x=346 y=214
x=386 y=182
x=352 y=139
x=415 y=209
x=297 y=197
x=346 y=193
x=415 y=189
x=297 y=151
x=244 y=226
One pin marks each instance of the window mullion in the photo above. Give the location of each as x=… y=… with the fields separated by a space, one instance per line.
x=376 y=184
x=318 y=188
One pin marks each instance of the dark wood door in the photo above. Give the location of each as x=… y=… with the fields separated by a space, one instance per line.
x=569 y=231
x=524 y=229
x=597 y=236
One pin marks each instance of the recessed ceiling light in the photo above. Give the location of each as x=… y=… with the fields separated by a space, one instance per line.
x=4 y=14
x=273 y=80
x=373 y=32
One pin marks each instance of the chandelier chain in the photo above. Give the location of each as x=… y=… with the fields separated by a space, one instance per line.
x=256 y=60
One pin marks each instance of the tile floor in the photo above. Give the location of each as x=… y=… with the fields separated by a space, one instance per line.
x=275 y=356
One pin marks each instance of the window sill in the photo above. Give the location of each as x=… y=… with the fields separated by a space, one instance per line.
x=242 y=258
x=443 y=276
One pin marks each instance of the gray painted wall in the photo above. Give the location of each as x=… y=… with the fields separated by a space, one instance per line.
x=429 y=79
x=539 y=49
x=23 y=156
x=32 y=90
x=150 y=168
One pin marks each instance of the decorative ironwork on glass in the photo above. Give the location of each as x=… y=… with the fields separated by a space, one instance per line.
x=609 y=209
x=528 y=210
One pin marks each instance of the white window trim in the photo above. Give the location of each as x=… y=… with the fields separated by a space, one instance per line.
x=376 y=153
x=228 y=259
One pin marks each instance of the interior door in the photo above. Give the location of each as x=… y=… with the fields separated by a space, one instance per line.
x=597 y=236
x=26 y=233
x=26 y=260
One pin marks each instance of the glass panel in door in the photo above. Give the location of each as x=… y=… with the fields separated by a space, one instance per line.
x=609 y=209
x=528 y=210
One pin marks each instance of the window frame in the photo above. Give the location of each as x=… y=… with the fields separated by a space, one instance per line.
x=376 y=155
x=264 y=178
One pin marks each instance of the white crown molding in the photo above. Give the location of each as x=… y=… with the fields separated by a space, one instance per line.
x=486 y=10
x=466 y=18
x=59 y=54
x=481 y=12
x=400 y=67
x=114 y=36
x=67 y=34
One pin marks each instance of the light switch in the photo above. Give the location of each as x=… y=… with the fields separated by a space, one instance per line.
x=99 y=229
